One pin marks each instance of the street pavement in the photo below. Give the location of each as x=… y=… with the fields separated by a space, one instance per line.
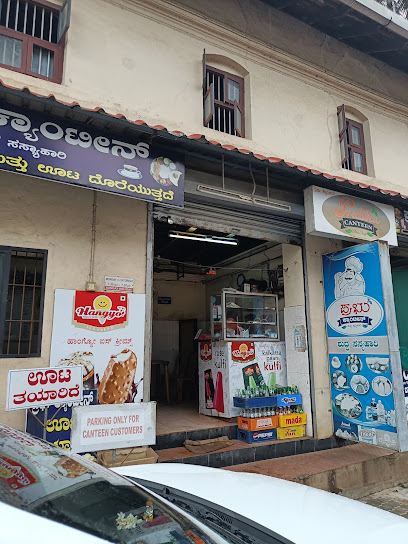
x=394 y=500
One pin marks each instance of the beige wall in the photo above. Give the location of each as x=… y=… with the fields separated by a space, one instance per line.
x=45 y=215
x=144 y=59
x=188 y=299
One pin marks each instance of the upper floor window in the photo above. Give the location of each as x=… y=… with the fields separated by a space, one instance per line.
x=223 y=105
x=22 y=286
x=32 y=37
x=352 y=146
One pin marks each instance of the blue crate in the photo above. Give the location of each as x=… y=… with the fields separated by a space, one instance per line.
x=256 y=402
x=254 y=437
x=289 y=399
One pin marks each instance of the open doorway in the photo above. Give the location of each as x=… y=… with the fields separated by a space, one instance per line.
x=191 y=265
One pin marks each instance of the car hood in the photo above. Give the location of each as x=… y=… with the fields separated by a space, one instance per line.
x=300 y=513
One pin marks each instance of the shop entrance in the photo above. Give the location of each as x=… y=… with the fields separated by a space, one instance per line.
x=192 y=267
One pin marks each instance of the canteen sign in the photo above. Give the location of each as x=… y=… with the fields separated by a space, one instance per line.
x=336 y=215
x=61 y=150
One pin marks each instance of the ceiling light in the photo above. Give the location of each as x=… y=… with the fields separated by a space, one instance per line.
x=239 y=197
x=203 y=238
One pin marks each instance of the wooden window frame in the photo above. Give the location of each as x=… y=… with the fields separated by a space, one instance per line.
x=232 y=105
x=28 y=48
x=346 y=141
x=4 y=295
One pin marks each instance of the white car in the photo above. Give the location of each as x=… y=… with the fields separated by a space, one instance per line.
x=49 y=495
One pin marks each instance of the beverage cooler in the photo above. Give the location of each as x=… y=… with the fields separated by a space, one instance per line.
x=245 y=352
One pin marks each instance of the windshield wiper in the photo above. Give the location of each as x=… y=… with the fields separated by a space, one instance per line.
x=234 y=527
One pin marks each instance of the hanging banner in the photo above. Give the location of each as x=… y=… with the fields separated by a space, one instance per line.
x=104 y=333
x=336 y=215
x=359 y=355
x=52 y=148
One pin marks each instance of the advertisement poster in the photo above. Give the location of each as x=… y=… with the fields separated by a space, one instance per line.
x=359 y=361
x=53 y=148
x=103 y=332
x=226 y=367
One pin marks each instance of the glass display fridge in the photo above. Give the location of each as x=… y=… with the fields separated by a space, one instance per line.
x=245 y=350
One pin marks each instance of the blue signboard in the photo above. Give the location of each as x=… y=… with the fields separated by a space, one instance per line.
x=359 y=361
x=62 y=150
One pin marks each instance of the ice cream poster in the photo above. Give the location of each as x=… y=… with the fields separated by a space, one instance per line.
x=359 y=362
x=103 y=332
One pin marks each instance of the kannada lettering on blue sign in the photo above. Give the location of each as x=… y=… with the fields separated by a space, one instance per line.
x=53 y=148
x=361 y=381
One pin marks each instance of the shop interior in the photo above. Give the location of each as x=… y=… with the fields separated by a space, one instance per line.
x=191 y=265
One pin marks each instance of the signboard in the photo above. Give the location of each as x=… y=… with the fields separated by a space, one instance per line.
x=37 y=387
x=401 y=220
x=103 y=332
x=108 y=427
x=164 y=300
x=359 y=353
x=120 y=285
x=52 y=148
x=336 y=215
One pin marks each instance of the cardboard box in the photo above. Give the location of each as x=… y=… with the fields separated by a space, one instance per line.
x=128 y=456
x=257 y=423
x=253 y=437
x=290 y=420
x=291 y=432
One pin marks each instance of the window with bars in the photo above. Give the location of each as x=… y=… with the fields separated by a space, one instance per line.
x=32 y=37
x=352 y=146
x=22 y=284
x=223 y=100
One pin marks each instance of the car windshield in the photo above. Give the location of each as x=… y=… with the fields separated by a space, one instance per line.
x=37 y=477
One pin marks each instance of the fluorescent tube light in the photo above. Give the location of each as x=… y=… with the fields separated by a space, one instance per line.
x=203 y=238
x=239 y=197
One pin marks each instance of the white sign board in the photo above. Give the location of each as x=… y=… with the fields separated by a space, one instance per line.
x=33 y=388
x=119 y=285
x=106 y=427
x=335 y=215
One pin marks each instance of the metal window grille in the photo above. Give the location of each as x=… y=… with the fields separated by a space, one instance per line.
x=23 y=302
x=28 y=18
x=223 y=119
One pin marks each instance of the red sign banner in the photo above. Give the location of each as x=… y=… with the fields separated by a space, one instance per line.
x=243 y=351
x=15 y=475
x=205 y=351
x=100 y=311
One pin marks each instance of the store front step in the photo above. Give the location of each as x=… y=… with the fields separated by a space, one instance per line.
x=241 y=452
x=177 y=439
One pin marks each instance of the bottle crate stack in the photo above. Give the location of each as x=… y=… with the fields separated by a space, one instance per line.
x=270 y=414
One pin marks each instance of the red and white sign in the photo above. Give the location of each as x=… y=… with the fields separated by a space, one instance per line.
x=243 y=351
x=206 y=351
x=14 y=474
x=115 y=284
x=33 y=388
x=103 y=332
x=107 y=427
x=100 y=311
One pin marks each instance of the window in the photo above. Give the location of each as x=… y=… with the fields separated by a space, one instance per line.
x=223 y=105
x=32 y=37
x=352 y=147
x=22 y=283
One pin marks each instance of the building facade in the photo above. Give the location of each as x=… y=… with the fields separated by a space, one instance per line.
x=253 y=99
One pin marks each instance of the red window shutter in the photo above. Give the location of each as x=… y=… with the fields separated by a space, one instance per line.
x=209 y=105
x=341 y=119
x=237 y=120
x=204 y=72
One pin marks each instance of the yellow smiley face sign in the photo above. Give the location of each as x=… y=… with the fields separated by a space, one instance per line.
x=102 y=302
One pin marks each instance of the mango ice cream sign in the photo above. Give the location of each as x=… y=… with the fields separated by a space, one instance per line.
x=336 y=215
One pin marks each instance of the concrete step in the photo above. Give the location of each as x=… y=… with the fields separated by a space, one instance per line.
x=241 y=452
x=354 y=471
x=177 y=439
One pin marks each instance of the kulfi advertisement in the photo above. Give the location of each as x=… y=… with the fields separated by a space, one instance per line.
x=359 y=362
x=228 y=367
x=103 y=332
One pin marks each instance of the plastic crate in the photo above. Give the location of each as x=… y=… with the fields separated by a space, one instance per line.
x=256 y=402
x=289 y=399
x=291 y=432
x=257 y=423
x=290 y=420
x=254 y=437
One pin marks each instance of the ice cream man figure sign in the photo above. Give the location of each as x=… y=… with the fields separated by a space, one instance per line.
x=336 y=215
x=103 y=332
